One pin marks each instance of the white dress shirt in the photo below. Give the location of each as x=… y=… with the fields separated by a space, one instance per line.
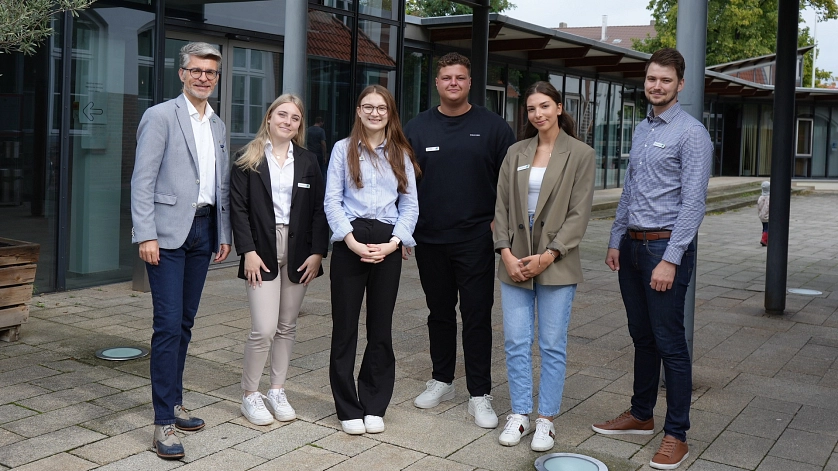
x=205 y=145
x=282 y=182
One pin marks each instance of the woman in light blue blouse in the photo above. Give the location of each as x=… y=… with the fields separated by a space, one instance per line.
x=372 y=210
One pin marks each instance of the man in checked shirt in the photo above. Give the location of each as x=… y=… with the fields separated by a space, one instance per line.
x=653 y=251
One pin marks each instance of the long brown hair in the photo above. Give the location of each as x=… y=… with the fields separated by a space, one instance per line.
x=395 y=147
x=254 y=152
x=566 y=121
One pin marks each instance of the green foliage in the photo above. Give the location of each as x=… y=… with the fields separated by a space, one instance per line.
x=736 y=29
x=25 y=24
x=446 y=7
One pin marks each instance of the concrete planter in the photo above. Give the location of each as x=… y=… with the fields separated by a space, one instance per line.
x=18 y=261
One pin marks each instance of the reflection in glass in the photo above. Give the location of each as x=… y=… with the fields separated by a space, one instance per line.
x=572 y=101
x=388 y=9
x=262 y=16
x=832 y=164
x=600 y=106
x=750 y=137
x=615 y=112
x=819 y=143
x=414 y=84
x=377 y=48
x=29 y=146
x=256 y=82
x=766 y=136
x=111 y=67
x=328 y=94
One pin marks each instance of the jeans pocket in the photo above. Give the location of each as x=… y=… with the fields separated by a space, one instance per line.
x=656 y=248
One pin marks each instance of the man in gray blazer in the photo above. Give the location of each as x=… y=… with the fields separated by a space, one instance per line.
x=180 y=195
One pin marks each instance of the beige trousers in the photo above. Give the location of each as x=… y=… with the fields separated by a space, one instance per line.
x=274 y=308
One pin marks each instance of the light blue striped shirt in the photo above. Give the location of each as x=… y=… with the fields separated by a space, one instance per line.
x=378 y=199
x=666 y=181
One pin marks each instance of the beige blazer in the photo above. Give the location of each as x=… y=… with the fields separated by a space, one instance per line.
x=562 y=212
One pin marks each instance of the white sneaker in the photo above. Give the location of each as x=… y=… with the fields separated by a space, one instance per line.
x=373 y=424
x=255 y=411
x=436 y=391
x=545 y=434
x=517 y=426
x=279 y=406
x=353 y=426
x=481 y=408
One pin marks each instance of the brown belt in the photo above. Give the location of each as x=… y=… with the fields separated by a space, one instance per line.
x=649 y=235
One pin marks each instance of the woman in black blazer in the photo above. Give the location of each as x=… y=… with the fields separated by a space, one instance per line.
x=281 y=234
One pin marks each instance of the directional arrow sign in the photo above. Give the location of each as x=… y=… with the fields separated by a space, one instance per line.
x=89 y=111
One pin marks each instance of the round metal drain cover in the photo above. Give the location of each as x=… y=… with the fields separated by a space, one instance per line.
x=805 y=292
x=569 y=462
x=121 y=353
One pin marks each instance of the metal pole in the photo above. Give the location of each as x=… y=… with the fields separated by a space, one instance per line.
x=294 y=58
x=814 y=58
x=479 y=53
x=776 y=268
x=691 y=38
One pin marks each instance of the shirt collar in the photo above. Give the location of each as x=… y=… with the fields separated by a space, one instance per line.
x=269 y=148
x=380 y=146
x=193 y=112
x=667 y=116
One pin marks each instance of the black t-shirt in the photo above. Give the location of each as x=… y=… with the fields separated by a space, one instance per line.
x=460 y=158
x=315 y=135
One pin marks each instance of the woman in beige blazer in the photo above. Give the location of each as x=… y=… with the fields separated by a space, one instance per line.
x=545 y=191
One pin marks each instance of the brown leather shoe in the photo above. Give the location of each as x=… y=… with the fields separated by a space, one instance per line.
x=671 y=453
x=626 y=423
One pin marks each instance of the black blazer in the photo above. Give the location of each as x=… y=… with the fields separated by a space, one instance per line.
x=254 y=223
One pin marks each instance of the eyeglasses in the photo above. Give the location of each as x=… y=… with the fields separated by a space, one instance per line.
x=382 y=109
x=196 y=73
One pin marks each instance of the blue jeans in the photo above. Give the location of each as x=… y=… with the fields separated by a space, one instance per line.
x=656 y=325
x=176 y=286
x=554 y=303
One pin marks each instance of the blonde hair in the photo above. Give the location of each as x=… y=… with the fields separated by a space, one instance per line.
x=254 y=152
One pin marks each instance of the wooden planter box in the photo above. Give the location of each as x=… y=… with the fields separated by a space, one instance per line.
x=18 y=261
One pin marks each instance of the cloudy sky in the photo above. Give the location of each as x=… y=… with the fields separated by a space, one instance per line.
x=628 y=12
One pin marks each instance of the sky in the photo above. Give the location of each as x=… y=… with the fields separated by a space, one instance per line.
x=633 y=12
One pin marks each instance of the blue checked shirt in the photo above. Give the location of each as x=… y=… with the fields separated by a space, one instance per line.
x=378 y=199
x=666 y=181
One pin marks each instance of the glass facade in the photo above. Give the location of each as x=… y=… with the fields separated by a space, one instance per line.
x=66 y=156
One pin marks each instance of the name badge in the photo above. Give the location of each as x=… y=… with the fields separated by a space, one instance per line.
x=432 y=149
x=523 y=167
x=659 y=144
x=303 y=185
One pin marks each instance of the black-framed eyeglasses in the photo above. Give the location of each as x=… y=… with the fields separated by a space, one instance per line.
x=196 y=73
x=382 y=109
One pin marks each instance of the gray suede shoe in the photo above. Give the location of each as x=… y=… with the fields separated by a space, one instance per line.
x=166 y=444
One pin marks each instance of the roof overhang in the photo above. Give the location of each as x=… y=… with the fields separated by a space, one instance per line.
x=535 y=44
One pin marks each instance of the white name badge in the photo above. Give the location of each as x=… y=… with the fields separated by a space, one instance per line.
x=659 y=144
x=432 y=149
x=303 y=185
x=523 y=167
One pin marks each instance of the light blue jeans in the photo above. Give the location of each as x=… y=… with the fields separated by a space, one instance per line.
x=519 y=307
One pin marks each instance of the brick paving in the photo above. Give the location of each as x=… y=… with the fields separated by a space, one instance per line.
x=765 y=391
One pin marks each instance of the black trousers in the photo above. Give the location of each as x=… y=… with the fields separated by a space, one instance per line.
x=468 y=269
x=350 y=279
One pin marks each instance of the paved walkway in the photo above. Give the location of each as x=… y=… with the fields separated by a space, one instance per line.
x=765 y=397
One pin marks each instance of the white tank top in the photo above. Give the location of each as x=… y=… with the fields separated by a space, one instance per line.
x=536 y=177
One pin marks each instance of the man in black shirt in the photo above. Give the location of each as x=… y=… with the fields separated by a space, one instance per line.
x=316 y=142
x=460 y=148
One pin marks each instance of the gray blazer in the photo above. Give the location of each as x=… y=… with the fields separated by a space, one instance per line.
x=164 y=186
